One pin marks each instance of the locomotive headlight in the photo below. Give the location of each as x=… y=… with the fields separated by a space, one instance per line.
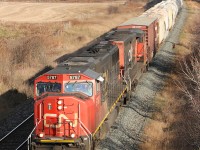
x=60 y=107
x=100 y=79
x=59 y=102
x=73 y=135
x=41 y=135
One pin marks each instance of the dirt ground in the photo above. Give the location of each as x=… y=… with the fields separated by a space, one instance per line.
x=50 y=12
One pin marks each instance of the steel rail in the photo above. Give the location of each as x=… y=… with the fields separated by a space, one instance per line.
x=16 y=127
x=29 y=137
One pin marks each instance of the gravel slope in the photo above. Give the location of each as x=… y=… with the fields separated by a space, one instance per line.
x=127 y=131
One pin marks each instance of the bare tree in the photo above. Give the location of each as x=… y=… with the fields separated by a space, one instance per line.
x=189 y=84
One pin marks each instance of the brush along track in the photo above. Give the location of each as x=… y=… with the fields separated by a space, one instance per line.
x=127 y=131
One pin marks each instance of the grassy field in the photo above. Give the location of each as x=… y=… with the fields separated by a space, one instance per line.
x=172 y=127
x=28 y=48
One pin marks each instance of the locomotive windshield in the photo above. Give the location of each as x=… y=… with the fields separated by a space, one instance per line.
x=43 y=87
x=83 y=87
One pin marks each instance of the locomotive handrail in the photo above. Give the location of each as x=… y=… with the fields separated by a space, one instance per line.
x=16 y=127
x=69 y=128
x=52 y=125
x=29 y=137
x=85 y=128
x=89 y=134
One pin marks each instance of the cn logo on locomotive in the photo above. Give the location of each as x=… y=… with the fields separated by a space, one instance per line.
x=61 y=119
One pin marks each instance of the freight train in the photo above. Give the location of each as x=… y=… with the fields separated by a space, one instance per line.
x=75 y=103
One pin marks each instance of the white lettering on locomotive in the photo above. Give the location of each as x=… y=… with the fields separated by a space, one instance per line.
x=75 y=77
x=61 y=118
x=52 y=77
x=130 y=54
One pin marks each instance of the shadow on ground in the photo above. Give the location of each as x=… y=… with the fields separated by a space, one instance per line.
x=9 y=100
x=42 y=71
x=14 y=108
x=151 y=4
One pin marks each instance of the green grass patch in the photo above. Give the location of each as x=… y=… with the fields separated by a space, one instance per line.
x=8 y=33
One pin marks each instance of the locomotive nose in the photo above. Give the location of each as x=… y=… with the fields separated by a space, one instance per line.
x=67 y=117
x=60 y=117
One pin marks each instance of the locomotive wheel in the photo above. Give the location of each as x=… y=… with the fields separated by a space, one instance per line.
x=93 y=145
x=33 y=146
x=128 y=96
x=85 y=145
x=146 y=68
x=125 y=100
x=134 y=84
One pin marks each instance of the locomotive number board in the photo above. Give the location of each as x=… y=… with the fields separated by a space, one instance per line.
x=75 y=77
x=52 y=77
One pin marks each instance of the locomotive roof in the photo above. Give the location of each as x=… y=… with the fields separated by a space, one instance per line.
x=85 y=59
x=120 y=35
x=146 y=21
x=124 y=34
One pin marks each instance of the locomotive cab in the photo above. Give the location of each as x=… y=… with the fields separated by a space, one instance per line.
x=64 y=105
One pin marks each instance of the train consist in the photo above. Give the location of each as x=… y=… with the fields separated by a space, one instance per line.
x=75 y=103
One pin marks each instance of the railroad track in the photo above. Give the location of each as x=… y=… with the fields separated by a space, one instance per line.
x=17 y=138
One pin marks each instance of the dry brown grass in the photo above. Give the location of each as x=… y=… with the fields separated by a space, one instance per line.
x=187 y=36
x=160 y=130
x=155 y=131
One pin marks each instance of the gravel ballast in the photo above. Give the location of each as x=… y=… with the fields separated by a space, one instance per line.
x=20 y=113
x=127 y=131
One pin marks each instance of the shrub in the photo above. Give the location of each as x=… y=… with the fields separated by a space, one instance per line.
x=29 y=51
x=113 y=10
